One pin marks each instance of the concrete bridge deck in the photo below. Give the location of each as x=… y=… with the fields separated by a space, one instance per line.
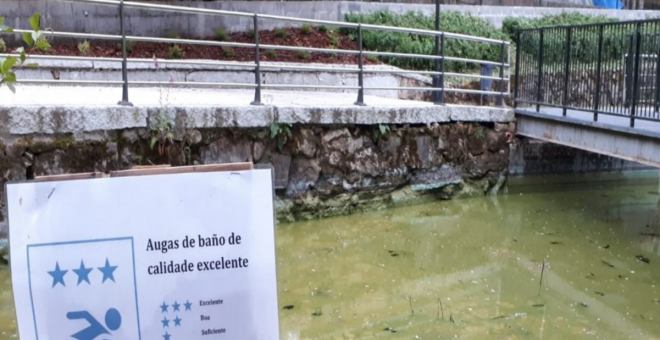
x=89 y=107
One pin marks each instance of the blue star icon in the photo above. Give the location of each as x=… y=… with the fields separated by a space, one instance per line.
x=163 y=308
x=58 y=275
x=108 y=271
x=188 y=305
x=176 y=306
x=177 y=321
x=166 y=336
x=166 y=323
x=83 y=273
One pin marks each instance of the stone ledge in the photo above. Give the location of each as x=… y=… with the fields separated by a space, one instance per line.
x=54 y=120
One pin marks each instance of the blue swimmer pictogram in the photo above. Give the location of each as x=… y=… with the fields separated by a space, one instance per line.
x=95 y=328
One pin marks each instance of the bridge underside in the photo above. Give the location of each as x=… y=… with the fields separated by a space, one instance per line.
x=616 y=141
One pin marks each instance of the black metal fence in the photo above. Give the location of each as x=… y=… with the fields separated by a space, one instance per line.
x=611 y=69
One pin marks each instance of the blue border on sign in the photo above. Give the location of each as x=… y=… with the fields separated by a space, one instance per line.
x=137 y=309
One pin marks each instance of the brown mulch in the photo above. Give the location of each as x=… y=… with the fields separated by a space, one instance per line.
x=295 y=38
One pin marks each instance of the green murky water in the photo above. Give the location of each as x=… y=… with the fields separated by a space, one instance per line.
x=471 y=269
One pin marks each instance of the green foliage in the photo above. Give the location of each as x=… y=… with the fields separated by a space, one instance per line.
x=379 y=131
x=176 y=52
x=304 y=55
x=221 y=34
x=454 y=22
x=282 y=132
x=511 y=24
x=271 y=54
x=306 y=29
x=84 y=47
x=162 y=132
x=250 y=33
x=322 y=29
x=228 y=52
x=3 y=46
x=281 y=33
x=130 y=45
x=35 y=40
x=334 y=39
x=480 y=133
x=372 y=58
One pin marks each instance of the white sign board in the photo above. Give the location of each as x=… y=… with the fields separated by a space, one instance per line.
x=163 y=257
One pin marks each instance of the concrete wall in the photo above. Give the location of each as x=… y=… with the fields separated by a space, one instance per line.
x=78 y=17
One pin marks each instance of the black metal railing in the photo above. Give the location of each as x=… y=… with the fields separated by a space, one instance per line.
x=610 y=69
x=439 y=73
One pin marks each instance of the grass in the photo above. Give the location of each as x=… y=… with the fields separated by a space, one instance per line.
x=304 y=55
x=306 y=29
x=271 y=54
x=281 y=33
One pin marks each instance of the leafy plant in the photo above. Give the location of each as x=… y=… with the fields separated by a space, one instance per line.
x=34 y=40
x=322 y=29
x=480 y=133
x=271 y=54
x=372 y=58
x=304 y=55
x=176 y=52
x=221 y=34
x=334 y=39
x=250 y=33
x=306 y=29
x=228 y=52
x=454 y=22
x=511 y=24
x=281 y=131
x=379 y=131
x=84 y=47
x=281 y=33
x=162 y=132
x=130 y=45
x=3 y=46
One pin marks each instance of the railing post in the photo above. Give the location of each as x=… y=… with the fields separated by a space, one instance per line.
x=517 y=76
x=539 y=84
x=599 y=66
x=360 y=99
x=436 y=51
x=635 y=92
x=124 y=68
x=500 y=99
x=567 y=70
x=657 y=80
x=440 y=95
x=257 y=68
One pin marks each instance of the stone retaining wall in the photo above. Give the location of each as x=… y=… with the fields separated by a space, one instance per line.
x=321 y=169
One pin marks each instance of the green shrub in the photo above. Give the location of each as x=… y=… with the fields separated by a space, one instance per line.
x=228 y=52
x=250 y=33
x=306 y=29
x=176 y=52
x=454 y=22
x=511 y=24
x=221 y=34
x=281 y=33
x=372 y=58
x=584 y=45
x=271 y=54
x=304 y=55
x=334 y=40
x=3 y=46
x=322 y=29
x=130 y=45
x=83 y=48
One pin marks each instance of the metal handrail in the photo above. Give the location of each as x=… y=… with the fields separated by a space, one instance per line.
x=256 y=67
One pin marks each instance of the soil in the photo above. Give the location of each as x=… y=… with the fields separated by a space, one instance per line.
x=294 y=37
